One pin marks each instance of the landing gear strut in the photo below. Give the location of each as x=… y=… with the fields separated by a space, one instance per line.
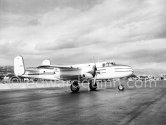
x=75 y=86
x=92 y=85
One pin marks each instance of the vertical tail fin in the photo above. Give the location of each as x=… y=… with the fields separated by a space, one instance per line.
x=46 y=62
x=19 y=68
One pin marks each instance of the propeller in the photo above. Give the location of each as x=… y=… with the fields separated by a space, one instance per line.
x=95 y=73
x=94 y=70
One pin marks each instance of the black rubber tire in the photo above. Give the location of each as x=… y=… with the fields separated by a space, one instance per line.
x=121 y=87
x=92 y=87
x=75 y=87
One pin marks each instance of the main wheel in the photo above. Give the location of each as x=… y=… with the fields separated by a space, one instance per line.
x=75 y=86
x=92 y=86
x=121 y=87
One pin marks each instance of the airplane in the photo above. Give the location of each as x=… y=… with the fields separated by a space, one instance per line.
x=74 y=73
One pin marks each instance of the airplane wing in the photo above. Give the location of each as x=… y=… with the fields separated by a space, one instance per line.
x=69 y=72
x=61 y=72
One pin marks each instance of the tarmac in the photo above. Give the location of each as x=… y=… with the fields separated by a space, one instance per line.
x=106 y=106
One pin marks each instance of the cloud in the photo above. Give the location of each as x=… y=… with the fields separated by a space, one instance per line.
x=75 y=31
x=32 y=7
x=148 y=56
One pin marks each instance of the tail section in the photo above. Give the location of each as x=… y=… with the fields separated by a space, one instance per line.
x=19 y=68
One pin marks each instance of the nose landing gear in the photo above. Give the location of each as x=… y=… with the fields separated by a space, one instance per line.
x=121 y=87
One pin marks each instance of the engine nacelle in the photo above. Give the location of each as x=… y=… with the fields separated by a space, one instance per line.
x=87 y=75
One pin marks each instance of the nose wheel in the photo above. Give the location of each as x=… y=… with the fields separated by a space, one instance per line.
x=74 y=86
x=121 y=87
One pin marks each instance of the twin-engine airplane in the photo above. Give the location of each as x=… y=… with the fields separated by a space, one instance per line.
x=74 y=73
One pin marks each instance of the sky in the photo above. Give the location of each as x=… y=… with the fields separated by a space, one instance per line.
x=131 y=32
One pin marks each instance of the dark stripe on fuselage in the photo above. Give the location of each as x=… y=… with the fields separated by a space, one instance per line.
x=124 y=71
x=51 y=73
x=101 y=69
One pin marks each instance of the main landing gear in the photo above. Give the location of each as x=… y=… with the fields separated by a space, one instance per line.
x=75 y=86
x=92 y=85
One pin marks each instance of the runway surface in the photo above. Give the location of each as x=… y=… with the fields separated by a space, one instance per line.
x=134 y=106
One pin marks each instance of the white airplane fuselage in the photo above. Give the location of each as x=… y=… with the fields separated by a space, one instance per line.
x=102 y=72
x=72 y=73
x=107 y=70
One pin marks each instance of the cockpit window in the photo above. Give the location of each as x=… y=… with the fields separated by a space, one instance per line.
x=113 y=63
x=108 y=64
